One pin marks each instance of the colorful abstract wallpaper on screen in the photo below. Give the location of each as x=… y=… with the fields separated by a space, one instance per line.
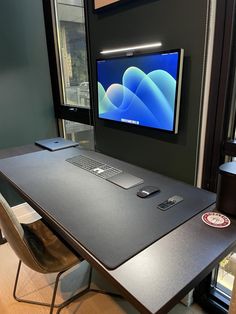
x=139 y=90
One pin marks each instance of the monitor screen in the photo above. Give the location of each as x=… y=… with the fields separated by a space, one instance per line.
x=143 y=90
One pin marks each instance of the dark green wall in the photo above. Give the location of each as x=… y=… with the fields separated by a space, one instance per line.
x=26 y=105
x=177 y=24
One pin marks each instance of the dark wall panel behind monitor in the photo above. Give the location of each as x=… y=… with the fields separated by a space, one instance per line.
x=177 y=24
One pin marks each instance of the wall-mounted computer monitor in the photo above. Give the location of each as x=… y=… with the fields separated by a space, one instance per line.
x=141 y=89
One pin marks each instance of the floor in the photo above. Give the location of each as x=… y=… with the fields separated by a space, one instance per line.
x=39 y=287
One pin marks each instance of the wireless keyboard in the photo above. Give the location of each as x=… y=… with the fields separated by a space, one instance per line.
x=95 y=167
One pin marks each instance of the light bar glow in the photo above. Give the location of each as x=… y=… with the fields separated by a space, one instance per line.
x=145 y=46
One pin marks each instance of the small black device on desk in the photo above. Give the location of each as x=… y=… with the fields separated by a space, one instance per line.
x=147 y=191
x=170 y=202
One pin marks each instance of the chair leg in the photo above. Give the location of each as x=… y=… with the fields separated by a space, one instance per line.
x=86 y=290
x=31 y=301
x=16 y=281
x=52 y=305
x=54 y=292
x=78 y=295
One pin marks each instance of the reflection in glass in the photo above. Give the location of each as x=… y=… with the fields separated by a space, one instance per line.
x=226 y=274
x=78 y=132
x=73 y=53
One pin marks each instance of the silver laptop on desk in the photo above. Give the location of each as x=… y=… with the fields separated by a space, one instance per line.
x=56 y=143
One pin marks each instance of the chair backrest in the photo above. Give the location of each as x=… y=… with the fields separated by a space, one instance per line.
x=14 y=233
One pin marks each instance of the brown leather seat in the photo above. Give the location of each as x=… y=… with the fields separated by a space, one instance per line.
x=38 y=248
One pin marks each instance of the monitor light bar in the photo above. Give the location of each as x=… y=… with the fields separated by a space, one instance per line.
x=146 y=46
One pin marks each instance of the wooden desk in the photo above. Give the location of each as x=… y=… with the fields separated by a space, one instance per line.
x=159 y=276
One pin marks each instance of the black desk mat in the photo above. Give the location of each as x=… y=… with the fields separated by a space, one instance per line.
x=111 y=223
